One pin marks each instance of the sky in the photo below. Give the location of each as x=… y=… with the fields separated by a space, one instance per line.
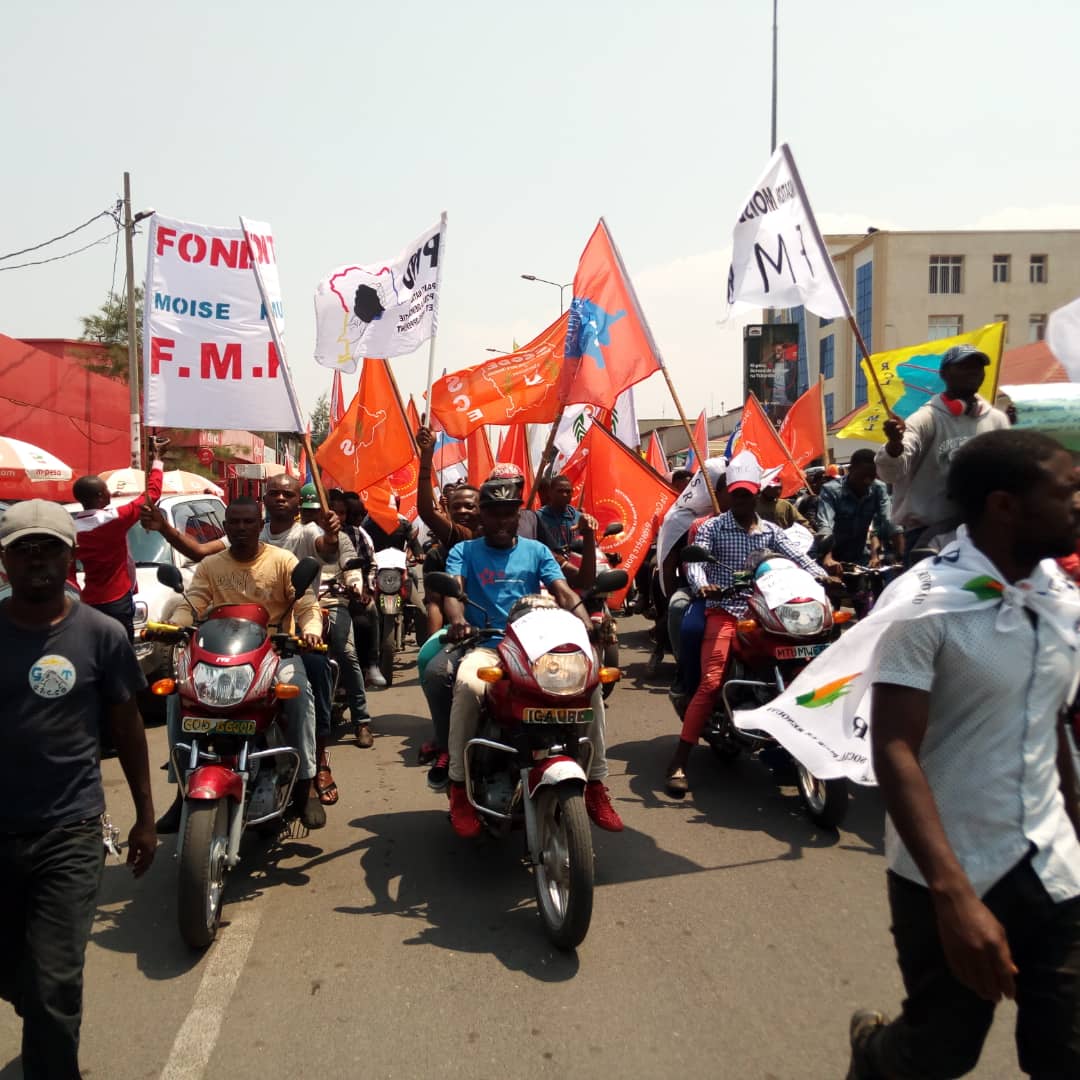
x=350 y=126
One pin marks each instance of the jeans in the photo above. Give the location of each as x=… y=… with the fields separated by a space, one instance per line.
x=321 y=681
x=343 y=650
x=719 y=636
x=122 y=610
x=677 y=604
x=465 y=716
x=47 y=903
x=691 y=635
x=298 y=714
x=365 y=619
x=943 y=1025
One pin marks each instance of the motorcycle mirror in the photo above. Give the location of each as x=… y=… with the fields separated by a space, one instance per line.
x=304 y=573
x=609 y=581
x=614 y=529
x=354 y=564
x=170 y=577
x=695 y=553
x=443 y=584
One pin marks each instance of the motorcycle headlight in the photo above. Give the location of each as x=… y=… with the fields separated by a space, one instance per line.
x=802 y=620
x=561 y=673
x=388 y=580
x=222 y=687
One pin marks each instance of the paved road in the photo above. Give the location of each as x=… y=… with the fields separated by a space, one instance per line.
x=730 y=937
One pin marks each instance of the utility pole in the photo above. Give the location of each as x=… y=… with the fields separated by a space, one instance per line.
x=133 y=343
x=773 y=148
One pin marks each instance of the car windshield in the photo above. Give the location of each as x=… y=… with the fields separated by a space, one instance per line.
x=230 y=637
x=148 y=548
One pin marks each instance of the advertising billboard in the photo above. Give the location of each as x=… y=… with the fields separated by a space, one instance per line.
x=771 y=366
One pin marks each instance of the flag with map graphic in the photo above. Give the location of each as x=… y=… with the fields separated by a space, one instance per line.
x=609 y=346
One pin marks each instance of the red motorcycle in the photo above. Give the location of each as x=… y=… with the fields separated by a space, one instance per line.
x=231 y=774
x=529 y=764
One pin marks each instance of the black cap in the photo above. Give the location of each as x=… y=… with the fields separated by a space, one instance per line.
x=500 y=493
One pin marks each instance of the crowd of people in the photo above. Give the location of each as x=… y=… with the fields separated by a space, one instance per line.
x=970 y=732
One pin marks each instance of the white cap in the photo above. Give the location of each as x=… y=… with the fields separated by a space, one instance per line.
x=744 y=473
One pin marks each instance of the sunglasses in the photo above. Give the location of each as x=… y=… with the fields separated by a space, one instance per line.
x=47 y=548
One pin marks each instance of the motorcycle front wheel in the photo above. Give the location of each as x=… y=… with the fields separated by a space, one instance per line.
x=826 y=801
x=564 y=877
x=202 y=871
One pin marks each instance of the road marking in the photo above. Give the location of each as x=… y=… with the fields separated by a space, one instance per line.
x=198 y=1035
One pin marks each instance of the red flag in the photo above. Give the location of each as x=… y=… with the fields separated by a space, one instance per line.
x=403 y=483
x=656 y=456
x=481 y=459
x=378 y=501
x=515 y=451
x=337 y=401
x=412 y=415
x=619 y=486
x=608 y=343
x=519 y=388
x=699 y=448
x=757 y=435
x=373 y=438
x=803 y=429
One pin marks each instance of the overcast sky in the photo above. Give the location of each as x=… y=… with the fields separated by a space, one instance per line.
x=350 y=126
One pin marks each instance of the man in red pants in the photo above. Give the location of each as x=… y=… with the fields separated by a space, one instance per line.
x=101 y=542
x=730 y=538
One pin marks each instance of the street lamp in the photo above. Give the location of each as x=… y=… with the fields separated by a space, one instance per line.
x=544 y=281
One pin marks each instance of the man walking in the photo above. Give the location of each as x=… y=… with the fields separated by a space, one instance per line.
x=66 y=669
x=974 y=761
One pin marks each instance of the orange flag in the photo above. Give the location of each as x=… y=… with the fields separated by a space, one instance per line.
x=608 y=343
x=378 y=501
x=613 y=484
x=373 y=438
x=699 y=448
x=757 y=435
x=403 y=483
x=481 y=459
x=803 y=429
x=656 y=456
x=412 y=416
x=515 y=451
x=519 y=388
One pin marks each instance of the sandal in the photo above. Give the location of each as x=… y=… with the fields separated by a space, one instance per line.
x=677 y=785
x=328 y=792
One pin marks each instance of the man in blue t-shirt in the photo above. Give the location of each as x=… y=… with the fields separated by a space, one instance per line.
x=495 y=572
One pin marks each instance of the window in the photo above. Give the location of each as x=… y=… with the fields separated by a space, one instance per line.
x=1001 y=270
x=802 y=375
x=827 y=357
x=864 y=320
x=946 y=273
x=1037 y=271
x=829 y=405
x=942 y=326
x=1036 y=327
x=1003 y=319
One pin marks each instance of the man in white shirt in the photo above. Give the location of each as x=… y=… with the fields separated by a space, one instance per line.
x=974 y=762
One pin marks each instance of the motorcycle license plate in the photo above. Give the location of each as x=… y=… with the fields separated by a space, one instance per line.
x=556 y=716
x=800 y=652
x=202 y=725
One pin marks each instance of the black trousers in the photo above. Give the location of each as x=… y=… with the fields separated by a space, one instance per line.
x=123 y=611
x=941 y=1031
x=47 y=902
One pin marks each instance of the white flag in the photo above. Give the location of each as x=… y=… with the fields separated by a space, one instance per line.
x=577 y=419
x=779 y=258
x=694 y=502
x=210 y=361
x=1063 y=337
x=381 y=309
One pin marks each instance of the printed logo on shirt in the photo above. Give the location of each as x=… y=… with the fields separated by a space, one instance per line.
x=52 y=676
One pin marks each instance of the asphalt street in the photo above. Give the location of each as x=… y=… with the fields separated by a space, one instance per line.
x=730 y=936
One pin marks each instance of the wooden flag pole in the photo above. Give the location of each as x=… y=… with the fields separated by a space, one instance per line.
x=690 y=438
x=869 y=367
x=547 y=456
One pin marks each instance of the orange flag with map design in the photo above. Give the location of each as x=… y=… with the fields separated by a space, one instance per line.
x=373 y=438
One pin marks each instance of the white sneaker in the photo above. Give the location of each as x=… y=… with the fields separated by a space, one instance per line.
x=375 y=677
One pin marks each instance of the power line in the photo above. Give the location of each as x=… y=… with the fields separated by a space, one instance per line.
x=57 y=258
x=62 y=236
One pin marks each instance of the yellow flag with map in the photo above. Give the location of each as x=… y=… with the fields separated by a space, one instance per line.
x=909 y=379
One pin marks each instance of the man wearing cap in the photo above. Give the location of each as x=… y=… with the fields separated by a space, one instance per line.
x=67 y=668
x=496 y=571
x=730 y=538
x=916 y=458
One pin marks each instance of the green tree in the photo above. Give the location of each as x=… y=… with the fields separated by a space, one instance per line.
x=320 y=421
x=108 y=326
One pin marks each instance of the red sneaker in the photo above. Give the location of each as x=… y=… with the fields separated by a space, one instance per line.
x=598 y=807
x=463 y=816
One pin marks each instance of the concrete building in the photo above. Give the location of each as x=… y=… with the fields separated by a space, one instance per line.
x=910 y=287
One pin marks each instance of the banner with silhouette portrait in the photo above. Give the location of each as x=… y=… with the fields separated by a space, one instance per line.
x=380 y=309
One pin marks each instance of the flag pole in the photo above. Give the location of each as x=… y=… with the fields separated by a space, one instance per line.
x=690 y=436
x=435 y=323
x=286 y=375
x=547 y=457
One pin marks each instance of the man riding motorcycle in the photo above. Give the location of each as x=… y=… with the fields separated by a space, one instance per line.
x=495 y=571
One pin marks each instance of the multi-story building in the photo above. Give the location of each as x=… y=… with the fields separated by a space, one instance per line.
x=910 y=287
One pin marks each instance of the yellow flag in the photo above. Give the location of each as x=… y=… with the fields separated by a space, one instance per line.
x=909 y=378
